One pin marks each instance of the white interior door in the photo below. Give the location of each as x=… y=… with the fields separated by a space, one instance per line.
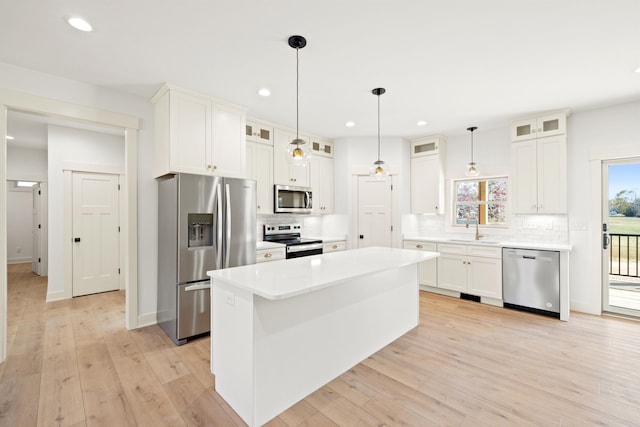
x=37 y=230
x=374 y=212
x=95 y=233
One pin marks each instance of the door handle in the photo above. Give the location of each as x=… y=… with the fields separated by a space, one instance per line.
x=197 y=287
x=605 y=241
x=77 y=240
x=362 y=236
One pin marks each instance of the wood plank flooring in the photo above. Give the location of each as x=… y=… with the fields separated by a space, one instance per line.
x=72 y=363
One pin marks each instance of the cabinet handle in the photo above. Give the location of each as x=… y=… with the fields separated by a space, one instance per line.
x=215 y=167
x=208 y=166
x=334 y=247
x=268 y=255
x=258 y=206
x=419 y=246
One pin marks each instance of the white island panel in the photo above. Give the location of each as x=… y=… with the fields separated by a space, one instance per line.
x=269 y=353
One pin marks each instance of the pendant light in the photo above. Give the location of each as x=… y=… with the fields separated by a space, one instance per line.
x=472 y=170
x=296 y=154
x=378 y=169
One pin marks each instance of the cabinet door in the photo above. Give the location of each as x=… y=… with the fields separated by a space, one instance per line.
x=283 y=172
x=427 y=185
x=425 y=147
x=228 y=155
x=485 y=277
x=523 y=129
x=552 y=124
x=190 y=133
x=260 y=167
x=321 y=148
x=321 y=169
x=258 y=133
x=452 y=272
x=552 y=175
x=525 y=182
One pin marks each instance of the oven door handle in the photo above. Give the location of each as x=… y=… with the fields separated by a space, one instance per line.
x=301 y=248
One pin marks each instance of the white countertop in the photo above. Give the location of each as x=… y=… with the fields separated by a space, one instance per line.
x=261 y=244
x=328 y=239
x=562 y=247
x=287 y=278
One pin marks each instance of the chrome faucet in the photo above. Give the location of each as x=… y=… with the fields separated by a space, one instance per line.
x=478 y=235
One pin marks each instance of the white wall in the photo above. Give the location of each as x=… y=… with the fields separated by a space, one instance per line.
x=49 y=86
x=604 y=128
x=19 y=225
x=78 y=146
x=354 y=156
x=24 y=164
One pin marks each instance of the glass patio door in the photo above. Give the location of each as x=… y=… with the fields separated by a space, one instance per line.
x=621 y=236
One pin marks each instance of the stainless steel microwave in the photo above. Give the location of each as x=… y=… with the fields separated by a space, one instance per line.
x=290 y=199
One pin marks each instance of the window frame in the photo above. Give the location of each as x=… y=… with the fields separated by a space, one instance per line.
x=455 y=203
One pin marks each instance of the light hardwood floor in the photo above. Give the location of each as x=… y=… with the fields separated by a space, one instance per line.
x=467 y=364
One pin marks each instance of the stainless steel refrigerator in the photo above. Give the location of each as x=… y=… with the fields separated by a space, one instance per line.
x=204 y=223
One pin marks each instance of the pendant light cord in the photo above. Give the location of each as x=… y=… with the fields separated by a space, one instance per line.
x=378 y=127
x=297 y=91
x=471 y=147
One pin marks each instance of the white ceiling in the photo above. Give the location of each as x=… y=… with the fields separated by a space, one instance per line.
x=453 y=63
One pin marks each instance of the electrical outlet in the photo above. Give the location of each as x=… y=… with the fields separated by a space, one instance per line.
x=529 y=225
x=231 y=298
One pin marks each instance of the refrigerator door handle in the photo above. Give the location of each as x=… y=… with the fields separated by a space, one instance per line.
x=218 y=204
x=227 y=234
x=197 y=287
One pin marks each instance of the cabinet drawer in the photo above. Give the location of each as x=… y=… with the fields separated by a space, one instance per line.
x=421 y=246
x=449 y=248
x=484 y=251
x=263 y=255
x=334 y=247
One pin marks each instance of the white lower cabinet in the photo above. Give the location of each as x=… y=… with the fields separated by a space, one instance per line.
x=471 y=269
x=427 y=270
x=271 y=254
x=334 y=246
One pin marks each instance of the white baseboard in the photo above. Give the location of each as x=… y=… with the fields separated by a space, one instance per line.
x=147 y=320
x=584 y=307
x=57 y=296
x=19 y=260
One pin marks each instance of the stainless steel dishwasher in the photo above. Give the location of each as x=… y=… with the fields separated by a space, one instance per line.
x=531 y=280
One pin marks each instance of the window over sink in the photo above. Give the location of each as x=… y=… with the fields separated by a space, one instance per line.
x=481 y=199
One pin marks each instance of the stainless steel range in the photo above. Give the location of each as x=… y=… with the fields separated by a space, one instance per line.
x=290 y=235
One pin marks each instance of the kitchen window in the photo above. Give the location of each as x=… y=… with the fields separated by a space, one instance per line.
x=483 y=198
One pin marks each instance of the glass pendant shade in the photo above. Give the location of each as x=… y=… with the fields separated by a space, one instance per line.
x=378 y=169
x=472 y=170
x=297 y=154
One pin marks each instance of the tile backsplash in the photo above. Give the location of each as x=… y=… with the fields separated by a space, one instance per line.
x=525 y=228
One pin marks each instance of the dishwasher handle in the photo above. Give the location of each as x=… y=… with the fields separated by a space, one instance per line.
x=528 y=257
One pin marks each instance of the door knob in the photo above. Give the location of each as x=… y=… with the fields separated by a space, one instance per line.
x=362 y=236
x=77 y=239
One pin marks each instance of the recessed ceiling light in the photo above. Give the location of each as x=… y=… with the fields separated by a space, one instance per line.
x=9 y=137
x=264 y=92
x=350 y=124
x=80 y=24
x=421 y=123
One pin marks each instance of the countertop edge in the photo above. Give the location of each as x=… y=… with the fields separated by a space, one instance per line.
x=562 y=247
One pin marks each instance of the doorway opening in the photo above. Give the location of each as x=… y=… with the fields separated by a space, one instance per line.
x=621 y=236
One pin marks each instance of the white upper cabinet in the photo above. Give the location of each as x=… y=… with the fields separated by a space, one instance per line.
x=551 y=124
x=321 y=169
x=198 y=134
x=539 y=168
x=260 y=168
x=427 y=175
x=285 y=173
x=258 y=132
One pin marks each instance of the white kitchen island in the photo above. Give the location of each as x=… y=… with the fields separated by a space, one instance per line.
x=280 y=330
